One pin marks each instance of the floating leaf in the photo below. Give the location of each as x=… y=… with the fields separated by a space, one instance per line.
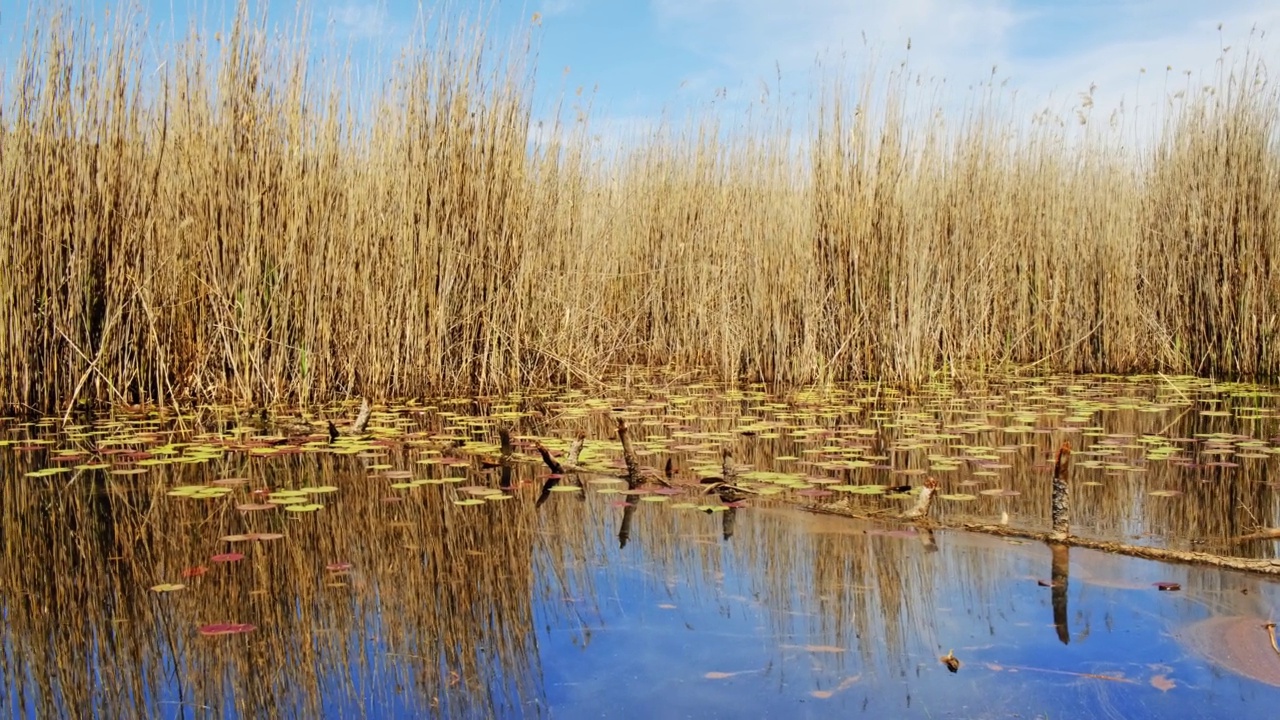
x=336 y=567
x=186 y=490
x=469 y=501
x=196 y=571
x=311 y=507
x=46 y=472
x=286 y=501
x=227 y=557
x=959 y=497
x=167 y=587
x=253 y=507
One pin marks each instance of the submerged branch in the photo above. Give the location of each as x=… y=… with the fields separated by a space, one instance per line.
x=1268 y=567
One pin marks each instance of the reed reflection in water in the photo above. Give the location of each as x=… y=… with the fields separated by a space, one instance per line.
x=395 y=599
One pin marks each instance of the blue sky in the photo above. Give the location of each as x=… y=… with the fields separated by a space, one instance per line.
x=644 y=58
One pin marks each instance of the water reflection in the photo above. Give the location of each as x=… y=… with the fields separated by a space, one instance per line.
x=395 y=599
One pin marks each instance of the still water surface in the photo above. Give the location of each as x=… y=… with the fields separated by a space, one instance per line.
x=218 y=564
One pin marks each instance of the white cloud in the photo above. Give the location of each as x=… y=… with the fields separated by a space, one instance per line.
x=1047 y=61
x=549 y=8
x=361 y=21
x=742 y=35
x=1142 y=71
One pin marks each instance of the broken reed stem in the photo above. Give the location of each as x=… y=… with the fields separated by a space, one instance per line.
x=575 y=451
x=552 y=464
x=629 y=457
x=923 y=502
x=504 y=440
x=362 y=419
x=728 y=470
x=1061 y=493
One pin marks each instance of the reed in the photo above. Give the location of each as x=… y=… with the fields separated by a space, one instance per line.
x=233 y=225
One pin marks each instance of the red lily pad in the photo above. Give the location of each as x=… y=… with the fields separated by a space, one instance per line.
x=226 y=629
x=227 y=557
x=337 y=567
x=196 y=571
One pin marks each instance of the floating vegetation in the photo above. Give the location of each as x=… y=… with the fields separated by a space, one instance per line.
x=168 y=587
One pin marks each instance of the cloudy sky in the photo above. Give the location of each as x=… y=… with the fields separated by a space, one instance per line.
x=644 y=58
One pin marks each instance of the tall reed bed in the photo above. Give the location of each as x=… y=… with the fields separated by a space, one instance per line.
x=234 y=225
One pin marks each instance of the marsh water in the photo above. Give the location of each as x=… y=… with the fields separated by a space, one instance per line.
x=220 y=562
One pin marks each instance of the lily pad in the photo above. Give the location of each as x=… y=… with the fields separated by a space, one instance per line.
x=167 y=587
x=226 y=629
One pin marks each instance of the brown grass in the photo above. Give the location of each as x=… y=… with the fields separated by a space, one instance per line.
x=233 y=226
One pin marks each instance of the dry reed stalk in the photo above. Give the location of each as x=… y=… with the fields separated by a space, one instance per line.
x=236 y=227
